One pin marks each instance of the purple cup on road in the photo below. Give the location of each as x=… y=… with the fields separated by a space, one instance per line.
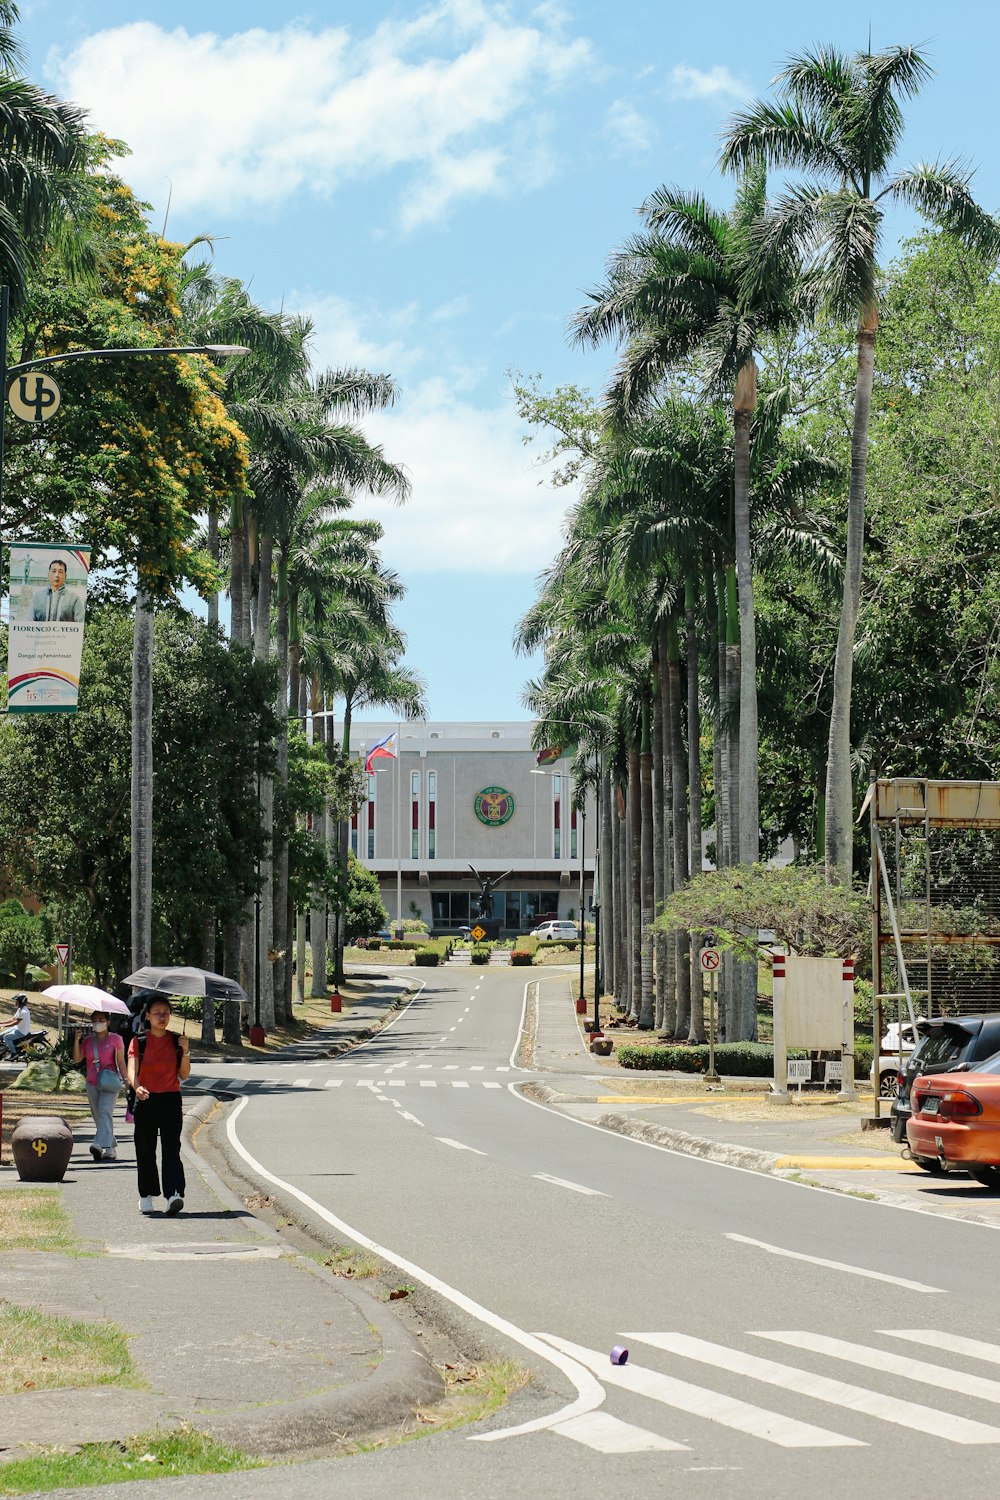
x=619 y=1355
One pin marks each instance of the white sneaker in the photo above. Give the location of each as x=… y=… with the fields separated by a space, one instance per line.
x=175 y=1204
x=145 y=1205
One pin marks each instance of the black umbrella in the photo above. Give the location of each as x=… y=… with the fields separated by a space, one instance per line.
x=182 y=981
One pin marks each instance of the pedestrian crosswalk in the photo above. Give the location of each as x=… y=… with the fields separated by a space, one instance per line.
x=664 y=1383
x=281 y=1082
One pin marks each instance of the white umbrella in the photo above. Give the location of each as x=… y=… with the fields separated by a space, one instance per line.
x=87 y=997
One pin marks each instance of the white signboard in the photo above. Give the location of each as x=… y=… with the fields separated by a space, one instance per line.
x=710 y=959
x=814 y=1003
x=799 y=1070
x=62 y=953
x=834 y=1072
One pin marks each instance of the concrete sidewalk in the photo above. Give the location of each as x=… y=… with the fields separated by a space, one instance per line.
x=819 y=1141
x=233 y=1330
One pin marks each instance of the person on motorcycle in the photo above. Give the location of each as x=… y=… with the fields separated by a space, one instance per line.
x=18 y=1026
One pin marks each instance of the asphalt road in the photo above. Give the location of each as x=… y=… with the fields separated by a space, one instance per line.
x=782 y=1339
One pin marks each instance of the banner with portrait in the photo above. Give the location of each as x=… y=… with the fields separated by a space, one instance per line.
x=48 y=600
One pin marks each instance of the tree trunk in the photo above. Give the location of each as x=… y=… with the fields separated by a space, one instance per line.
x=208 y=962
x=300 y=957
x=231 y=1009
x=660 y=940
x=646 y=909
x=682 y=1021
x=317 y=913
x=264 y=916
x=744 y=402
x=622 y=964
x=213 y=552
x=667 y=772
x=694 y=785
x=607 y=877
x=281 y=921
x=142 y=782
x=839 y=792
x=635 y=884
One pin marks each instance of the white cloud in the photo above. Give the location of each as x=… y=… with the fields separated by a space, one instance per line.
x=476 y=498
x=718 y=83
x=245 y=121
x=627 y=127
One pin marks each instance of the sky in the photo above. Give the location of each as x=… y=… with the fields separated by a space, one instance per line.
x=437 y=186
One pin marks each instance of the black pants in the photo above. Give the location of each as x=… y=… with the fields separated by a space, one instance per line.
x=159 y=1115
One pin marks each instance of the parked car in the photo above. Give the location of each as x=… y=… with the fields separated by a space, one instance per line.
x=956 y=1121
x=947 y=1044
x=554 y=932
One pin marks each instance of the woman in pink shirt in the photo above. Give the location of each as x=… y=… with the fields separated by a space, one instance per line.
x=104 y=1053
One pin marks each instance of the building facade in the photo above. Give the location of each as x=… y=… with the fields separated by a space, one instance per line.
x=472 y=794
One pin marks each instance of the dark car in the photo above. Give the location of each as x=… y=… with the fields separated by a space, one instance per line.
x=947 y=1044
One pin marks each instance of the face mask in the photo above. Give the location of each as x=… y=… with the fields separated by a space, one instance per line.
x=100 y=1025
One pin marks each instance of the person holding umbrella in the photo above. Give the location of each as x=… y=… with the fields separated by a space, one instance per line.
x=158 y=1062
x=104 y=1053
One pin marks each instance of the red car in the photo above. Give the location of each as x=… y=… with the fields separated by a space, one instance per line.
x=956 y=1120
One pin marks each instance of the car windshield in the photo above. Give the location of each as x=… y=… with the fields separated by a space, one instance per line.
x=939 y=1050
x=991 y=1065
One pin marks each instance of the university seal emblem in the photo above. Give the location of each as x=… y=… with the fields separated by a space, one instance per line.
x=494 y=806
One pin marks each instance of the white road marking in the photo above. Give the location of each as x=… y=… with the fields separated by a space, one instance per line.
x=458 y=1145
x=453 y=1028
x=451 y=1067
x=459 y=1083
x=302 y=1083
x=489 y=1085
x=477 y=1068
x=953 y=1343
x=838 y=1265
x=405 y=1115
x=574 y=1187
x=756 y=1421
x=428 y=1083
x=333 y=1083
x=365 y=1083
x=396 y=1083
x=606 y=1434
x=503 y=1069
x=822 y=1388
x=467 y=1009
x=590 y=1394
x=892 y=1364
x=425 y=1065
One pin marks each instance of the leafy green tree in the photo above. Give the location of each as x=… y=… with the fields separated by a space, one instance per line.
x=24 y=941
x=838 y=119
x=366 y=915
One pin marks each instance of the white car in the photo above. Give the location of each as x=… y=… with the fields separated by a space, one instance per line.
x=897 y=1039
x=555 y=932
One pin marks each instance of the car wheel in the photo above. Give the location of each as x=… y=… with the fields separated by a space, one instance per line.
x=928 y=1164
x=888 y=1085
x=988 y=1177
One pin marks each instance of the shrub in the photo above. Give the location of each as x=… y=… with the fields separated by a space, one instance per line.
x=527 y=943
x=732 y=1059
x=481 y=954
x=519 y=956
x=426 y=958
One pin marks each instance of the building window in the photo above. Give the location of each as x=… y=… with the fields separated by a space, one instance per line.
x=354 y=833
x=572 y=832
x=432 y=783
x=556 y=819
x=414 y=814
x=370 y=842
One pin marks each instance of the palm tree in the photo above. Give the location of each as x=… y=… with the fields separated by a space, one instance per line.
x=677 y=291
x=838 y=119
x=43 y=145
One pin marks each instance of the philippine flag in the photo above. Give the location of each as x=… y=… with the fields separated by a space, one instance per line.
x=385 y=747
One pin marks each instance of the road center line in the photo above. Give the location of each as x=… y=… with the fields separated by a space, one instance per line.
x=574 y=1187
x=839 y=1265
x=458 y=1145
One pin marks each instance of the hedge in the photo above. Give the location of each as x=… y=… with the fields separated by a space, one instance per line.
x=481 y=955
x=520 y=956
x=732 y=1059
x=426 y=959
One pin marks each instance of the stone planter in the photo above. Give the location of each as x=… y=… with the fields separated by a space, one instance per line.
x=601 y=1045
x=41 y=1146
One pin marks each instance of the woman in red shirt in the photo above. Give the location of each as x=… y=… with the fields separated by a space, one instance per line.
x=157 y=1063
x=104 y=1052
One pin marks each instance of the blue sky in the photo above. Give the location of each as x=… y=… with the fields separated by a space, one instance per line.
x=437 y=186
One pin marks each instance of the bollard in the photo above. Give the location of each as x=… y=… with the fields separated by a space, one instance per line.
x=41 y=1146
x=581 y=1007
x=335 y=1002
x=258 y=1036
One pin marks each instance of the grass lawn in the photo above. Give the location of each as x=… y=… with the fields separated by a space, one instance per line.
x=157 y=1455
x=17 y=1103
x=44 y=1353
x=34 y=1219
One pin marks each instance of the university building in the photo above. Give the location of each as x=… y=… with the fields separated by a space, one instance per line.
x=472 y=794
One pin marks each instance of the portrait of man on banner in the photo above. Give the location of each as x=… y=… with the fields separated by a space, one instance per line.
x=57 y=601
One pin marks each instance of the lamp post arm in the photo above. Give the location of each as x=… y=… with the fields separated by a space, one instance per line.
x=53 y=359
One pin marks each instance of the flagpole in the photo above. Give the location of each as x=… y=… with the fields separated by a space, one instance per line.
x=399 y=814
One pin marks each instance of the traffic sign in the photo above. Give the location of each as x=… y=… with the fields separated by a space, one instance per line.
x=33 y=397
x=710 y=959
x=478 y=933
x=62 y=953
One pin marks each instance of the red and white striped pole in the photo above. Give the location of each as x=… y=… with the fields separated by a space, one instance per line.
x=848 y=1089
x=779 y=1085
